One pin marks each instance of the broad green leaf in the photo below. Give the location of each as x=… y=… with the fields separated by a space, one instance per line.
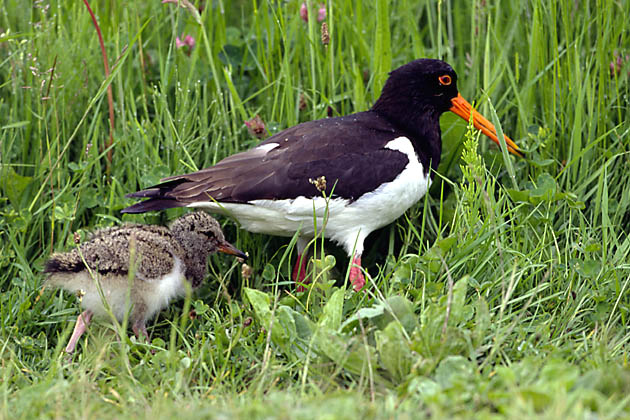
x=401 y=309
x=284 y=331
x=538 y=397
x=13 y=185
x=77 y=167
x=459 y=310
x=452 y=369
x=559 y=372
x=541 y=163
x=330 y=344
x=447 y=243
x=303 y=326
x=545 y=189
x=332 y=311
x=287 y=325
x=519 y=195
x=425 y=387
x=588 y=268
x=64 y=212
x=260 y=303
x=200 y=307
x=364 y=314
x=403 y=273
x=269 y=273
x=482 y=321
x=394 y=352
x=349 y=354
x=382 y=313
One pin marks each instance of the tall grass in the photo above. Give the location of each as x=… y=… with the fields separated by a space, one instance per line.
x=493 y=296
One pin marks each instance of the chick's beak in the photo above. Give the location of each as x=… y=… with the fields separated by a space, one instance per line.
x=228 y=248
x=462 y=108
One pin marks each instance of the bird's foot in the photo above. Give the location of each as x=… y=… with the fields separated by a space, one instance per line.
x=356 y=274
x=83 y=320
x=140 y=330
x=299 y=273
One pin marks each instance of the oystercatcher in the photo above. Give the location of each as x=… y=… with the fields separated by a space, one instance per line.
x=371 y=166
x=138 y=268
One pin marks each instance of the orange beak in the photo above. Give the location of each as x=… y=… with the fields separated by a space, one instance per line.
x=462 y=108
x=228 y=248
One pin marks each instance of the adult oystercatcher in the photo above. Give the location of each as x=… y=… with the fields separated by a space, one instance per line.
x=372 y=166
x=158 y=258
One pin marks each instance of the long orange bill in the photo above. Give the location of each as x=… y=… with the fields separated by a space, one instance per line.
x=462 y=108
x=228 y=248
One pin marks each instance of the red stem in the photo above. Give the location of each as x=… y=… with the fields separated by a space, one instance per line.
x=110 y=95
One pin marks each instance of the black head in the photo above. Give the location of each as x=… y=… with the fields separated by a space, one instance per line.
x=416 y=94
x=425 y=85
x=414 y=97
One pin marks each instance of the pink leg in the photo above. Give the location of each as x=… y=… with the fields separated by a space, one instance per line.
x=299 y=272
x=140 y=330
x=83 y=321
x=356 y=275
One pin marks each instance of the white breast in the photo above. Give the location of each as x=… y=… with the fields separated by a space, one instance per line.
x=168 y=287
x=121 y=295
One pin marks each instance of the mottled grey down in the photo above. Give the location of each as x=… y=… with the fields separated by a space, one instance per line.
x=159 y=259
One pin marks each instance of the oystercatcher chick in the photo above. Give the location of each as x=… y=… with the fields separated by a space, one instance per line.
x=138 y=268
x=372 y=166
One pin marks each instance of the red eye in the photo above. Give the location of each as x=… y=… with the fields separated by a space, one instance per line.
x=445 y=80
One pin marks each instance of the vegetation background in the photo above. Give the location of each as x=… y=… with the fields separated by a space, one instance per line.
x=503 y=294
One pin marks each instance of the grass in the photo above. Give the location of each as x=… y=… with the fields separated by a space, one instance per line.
x=503 y=293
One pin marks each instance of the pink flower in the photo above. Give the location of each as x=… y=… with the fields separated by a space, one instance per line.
x=304 y=12
x=321 y=12
x=618 y=63
x=188 y=41
x=256 y=127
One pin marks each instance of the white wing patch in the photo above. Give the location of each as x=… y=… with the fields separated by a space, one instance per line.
x=267 y=147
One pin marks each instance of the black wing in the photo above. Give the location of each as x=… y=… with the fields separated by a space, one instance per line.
x=348 y=151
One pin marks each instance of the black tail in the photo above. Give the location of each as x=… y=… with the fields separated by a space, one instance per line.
x=153 y=204
x=158 y=199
